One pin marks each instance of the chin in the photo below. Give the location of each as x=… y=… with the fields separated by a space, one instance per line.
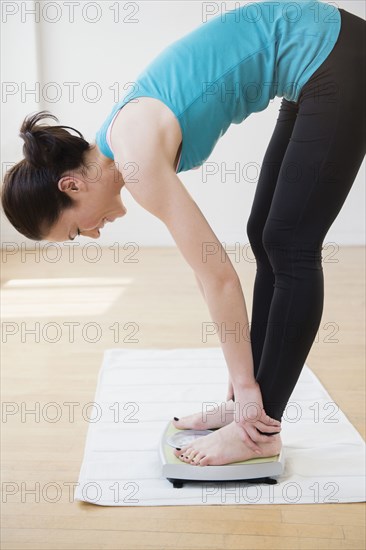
x=116 y=215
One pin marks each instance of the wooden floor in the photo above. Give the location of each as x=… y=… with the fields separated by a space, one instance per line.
x=145 y=298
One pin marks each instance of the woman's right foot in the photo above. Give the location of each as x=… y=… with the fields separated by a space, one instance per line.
x=222 y=415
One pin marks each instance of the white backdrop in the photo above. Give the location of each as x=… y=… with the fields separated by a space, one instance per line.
x=75 y=59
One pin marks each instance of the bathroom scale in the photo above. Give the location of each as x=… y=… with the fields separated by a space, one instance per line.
x=255 y=470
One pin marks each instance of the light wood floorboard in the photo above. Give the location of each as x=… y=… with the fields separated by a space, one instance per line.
x=156 y=302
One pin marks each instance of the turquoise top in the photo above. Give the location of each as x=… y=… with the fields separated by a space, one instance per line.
x=232 y=66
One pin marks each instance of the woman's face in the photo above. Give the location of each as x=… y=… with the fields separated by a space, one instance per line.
x=97 y=199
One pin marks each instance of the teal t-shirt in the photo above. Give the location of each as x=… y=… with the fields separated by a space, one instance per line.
x=232 y=66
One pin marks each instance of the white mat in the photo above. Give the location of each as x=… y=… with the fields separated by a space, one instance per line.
x=140 y=391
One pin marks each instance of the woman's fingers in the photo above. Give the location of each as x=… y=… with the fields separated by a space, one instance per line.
x=252 y=436
x=265 y=419
x=265 y=428
x=249 y=442
x=264 y=438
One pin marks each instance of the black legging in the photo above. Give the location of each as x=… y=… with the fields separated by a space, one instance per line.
x=311 y=162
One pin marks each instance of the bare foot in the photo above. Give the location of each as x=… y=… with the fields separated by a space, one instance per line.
x=210 y=417
x=225 y=446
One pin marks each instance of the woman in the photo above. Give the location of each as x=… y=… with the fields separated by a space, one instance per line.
x=313 y=56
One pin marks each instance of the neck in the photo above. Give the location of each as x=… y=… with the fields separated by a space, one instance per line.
x=96 y=156
x=104 y=165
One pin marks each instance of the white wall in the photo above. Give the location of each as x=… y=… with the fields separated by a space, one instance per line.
x=110 y=52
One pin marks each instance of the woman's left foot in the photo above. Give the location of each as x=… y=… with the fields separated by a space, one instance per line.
x=225 y=446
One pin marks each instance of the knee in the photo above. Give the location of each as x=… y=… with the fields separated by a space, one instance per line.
x=254 y=230
x=266 y=234
x=279 y=246
x=274 y=238
x=285 y=249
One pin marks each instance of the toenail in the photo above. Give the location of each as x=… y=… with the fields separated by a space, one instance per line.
x=175 y=418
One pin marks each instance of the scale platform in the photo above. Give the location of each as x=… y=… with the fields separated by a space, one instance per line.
x=255 y=470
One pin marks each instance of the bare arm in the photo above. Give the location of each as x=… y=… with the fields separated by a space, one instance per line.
x=228 y=311
x=236 y=333
x=158 y=189
x=202 y=290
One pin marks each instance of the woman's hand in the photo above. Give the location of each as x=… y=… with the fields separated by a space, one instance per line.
x=250 y=415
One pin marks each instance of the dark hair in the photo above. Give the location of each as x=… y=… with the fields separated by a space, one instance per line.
x=30 y=196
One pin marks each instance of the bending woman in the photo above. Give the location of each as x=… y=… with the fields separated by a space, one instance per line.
x=313 y=56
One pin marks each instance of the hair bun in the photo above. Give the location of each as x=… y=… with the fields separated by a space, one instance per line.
x=40 y=143
x=30 y=196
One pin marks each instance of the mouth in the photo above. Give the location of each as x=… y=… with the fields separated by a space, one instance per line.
x=104 y=221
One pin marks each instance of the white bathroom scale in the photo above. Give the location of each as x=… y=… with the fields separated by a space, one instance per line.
x=255 y=470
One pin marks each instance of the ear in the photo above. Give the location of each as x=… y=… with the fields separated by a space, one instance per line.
x=70 y=184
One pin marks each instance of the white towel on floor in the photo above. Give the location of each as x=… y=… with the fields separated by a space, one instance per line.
x=140 y=391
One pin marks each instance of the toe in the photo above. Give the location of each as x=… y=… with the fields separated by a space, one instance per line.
x=179 y=453
x=204 y=461
x=182 y=449
x=192 y=456
x=188 y=454
x=181 y=424
x=196 y=459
